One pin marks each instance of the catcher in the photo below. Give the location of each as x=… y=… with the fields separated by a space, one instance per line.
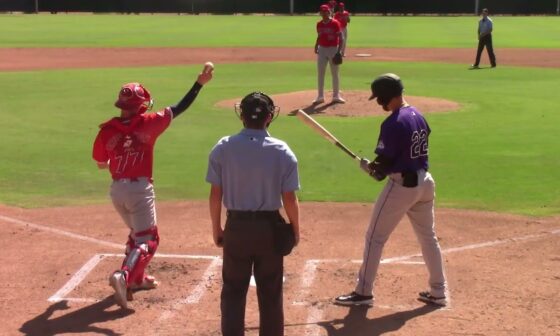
x=125 y=146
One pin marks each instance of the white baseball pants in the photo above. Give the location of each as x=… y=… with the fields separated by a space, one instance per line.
x=324 y=56
x=392 y=204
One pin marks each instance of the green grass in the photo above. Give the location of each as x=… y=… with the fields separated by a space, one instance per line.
x=498 y=153
x=87 y=30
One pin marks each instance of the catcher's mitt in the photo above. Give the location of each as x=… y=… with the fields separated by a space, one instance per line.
x=337 y=59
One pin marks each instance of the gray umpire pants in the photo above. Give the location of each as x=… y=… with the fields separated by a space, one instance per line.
x=392 y=204
x=248 y=249
x=324 y=56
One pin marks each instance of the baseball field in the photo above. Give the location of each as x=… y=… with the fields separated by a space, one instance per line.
x=493 y=153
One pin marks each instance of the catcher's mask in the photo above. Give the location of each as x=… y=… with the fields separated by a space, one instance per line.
x=134 y=96
x=386 y=87
x=256 y=106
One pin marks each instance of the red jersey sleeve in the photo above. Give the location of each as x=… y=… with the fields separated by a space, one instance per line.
x=158 y=122
x=99 y=152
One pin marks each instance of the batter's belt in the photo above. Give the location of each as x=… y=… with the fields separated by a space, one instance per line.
x=408 y=179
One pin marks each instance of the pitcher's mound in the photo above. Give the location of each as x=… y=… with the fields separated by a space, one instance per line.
x=357 y=104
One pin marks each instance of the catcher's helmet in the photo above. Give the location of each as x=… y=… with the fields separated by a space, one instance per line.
x=133 y=96
x=256 y=106
x=386 y=87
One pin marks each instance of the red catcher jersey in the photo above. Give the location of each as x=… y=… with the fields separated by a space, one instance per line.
x=342 y=18
x=328 y=33
x=129 y=147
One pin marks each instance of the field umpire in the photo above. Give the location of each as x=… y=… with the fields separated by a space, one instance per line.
x=253 y=174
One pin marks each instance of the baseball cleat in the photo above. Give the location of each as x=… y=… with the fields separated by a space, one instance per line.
x=354 y=299
x=339 y=100
x=426 y=297
x=118 y=282
x=149 y=282
x=474 y=67
x=319 y=100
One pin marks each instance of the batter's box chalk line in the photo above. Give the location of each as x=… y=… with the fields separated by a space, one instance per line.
x=194 y=296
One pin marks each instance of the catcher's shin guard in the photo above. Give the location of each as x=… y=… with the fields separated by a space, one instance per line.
x=138 y=255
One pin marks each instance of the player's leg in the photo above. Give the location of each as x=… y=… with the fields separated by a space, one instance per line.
x=334 y=74
x=343 y=47
x=390 y=207
x=421 y=216
x=141 y=249
x=322 y=60
x=141 y=205
x=236 y=274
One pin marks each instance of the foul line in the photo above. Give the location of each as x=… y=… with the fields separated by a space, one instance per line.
x=61 y=232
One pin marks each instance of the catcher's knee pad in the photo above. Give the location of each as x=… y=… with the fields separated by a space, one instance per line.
x=140 y=250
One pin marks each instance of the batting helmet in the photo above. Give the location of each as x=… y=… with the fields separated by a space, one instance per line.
x=386 y=87
x=256 y=106
x=134 y=96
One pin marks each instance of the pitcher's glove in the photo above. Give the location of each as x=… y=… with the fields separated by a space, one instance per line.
x=337 y=59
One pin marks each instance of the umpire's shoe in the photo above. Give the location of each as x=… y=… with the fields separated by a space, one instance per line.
x=117 y=280
x=354 y=299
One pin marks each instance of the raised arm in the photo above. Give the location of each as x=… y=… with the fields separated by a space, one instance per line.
x=189 y=98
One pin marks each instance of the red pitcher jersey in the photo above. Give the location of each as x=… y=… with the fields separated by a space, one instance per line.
x=129 y=147
x=342 y=17
x=328 y=33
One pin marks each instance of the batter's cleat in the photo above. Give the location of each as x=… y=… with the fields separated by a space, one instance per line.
x=318 y=100
x=354 y=299
x=149 y=282
x=339 y=100
x=118 y=281
x=426 y=297
x=473 y=67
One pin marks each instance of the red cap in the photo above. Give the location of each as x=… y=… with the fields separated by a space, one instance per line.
x=324 y=8
x=341 y=4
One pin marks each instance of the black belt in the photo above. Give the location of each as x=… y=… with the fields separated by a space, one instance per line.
x=240 y=214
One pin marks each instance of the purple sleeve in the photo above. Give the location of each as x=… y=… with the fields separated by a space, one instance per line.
x=387 y=144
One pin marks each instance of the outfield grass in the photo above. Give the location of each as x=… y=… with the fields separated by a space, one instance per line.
x=87 y=30
x=499 y=152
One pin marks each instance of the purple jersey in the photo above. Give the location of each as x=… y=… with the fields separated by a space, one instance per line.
x=404 y=140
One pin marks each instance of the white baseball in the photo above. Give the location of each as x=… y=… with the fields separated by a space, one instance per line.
x=208 y=67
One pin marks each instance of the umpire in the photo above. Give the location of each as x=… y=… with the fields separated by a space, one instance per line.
x=253 y=174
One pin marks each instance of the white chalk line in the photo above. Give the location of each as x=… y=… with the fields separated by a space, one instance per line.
x=316 y=314
x=61 y=232
x=196 y=293
x=76 y=279
x=82 y=273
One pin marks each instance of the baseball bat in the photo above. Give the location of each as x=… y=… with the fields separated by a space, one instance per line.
x=324 y=133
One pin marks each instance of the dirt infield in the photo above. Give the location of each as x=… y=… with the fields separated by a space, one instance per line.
x=503 y=270
x=18 y=59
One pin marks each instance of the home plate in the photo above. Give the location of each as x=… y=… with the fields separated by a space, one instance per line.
x=363 y=55
x=253 y=283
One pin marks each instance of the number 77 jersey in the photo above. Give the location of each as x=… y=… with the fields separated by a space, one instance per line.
x=404 y=140
x=129 y=145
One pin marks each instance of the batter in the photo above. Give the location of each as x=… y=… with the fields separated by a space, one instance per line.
x=402 y=156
